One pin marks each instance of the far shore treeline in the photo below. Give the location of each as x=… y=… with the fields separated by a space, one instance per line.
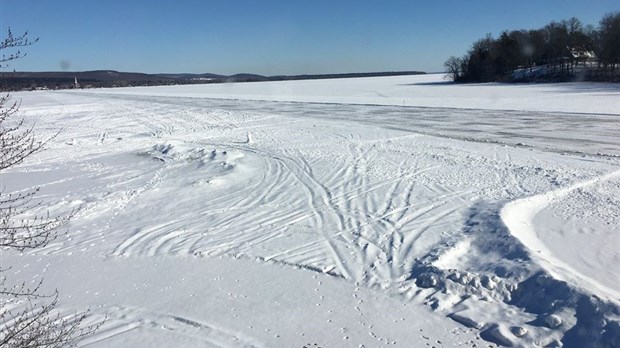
x=560 y=51
x=20 y=81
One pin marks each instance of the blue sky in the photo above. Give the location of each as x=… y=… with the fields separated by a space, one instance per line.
x=269 y=37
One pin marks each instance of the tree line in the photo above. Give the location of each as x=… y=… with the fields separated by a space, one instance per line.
x=559 y=51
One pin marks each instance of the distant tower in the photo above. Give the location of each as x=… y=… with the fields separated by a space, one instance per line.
x=76 y=84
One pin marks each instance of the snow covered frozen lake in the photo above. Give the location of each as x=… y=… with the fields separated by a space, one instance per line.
x=369 y=212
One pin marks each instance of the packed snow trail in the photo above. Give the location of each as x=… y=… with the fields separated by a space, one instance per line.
x=555 y=256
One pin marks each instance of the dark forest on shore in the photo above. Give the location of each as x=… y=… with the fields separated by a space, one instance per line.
x=560 y=51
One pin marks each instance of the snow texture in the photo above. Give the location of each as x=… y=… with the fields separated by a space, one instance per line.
x=394 y=211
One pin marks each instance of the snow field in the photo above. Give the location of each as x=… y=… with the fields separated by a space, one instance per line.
x=420 y=224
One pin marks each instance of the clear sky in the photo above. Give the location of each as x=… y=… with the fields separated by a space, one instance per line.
x=269 y=37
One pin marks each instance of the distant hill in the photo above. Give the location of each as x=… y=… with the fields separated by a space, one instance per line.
x=246 y=78
x=344 y=75
x=193 y=76
x=11 y=81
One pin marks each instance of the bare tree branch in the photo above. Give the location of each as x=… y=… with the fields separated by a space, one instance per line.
x=12 y=41
x=28 y=318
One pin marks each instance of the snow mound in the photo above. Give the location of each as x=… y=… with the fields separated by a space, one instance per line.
x=184 y=154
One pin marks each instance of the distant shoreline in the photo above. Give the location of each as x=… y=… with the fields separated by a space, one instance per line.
x=21 y=81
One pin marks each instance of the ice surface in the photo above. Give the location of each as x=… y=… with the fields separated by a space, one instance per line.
x=295 y=213
x=422 y=90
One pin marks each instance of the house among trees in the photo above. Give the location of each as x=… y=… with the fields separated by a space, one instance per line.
x=583 y=55
x=560 y=51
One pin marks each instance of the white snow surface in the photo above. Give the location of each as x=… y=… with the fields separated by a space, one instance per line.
x=432 y=90
x=393 y=211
